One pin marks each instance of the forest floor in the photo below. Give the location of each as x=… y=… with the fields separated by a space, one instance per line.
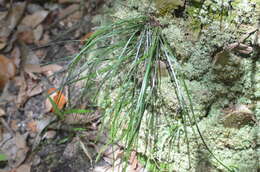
x=36 y=40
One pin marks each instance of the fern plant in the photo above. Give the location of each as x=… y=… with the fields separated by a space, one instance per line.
x=121 y=66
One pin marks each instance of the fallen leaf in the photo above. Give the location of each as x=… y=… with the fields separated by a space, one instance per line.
x=35 y=19
x=45 y=40
x=26 y=36
x=3 y=42
x=11 y=41
x=37 y=32
x=24 y=168
x=85 y=37
x=49 y=134
x=20 y=140
x=14 y=15
x=32 y=68
x=28 y=55
x=32 y=126
x=36 y=68
x=237 y=116
x=2 y=112
x=15 y=149
x=51 y=67
x=16 y=56
x=22 y=95
x=57 y=97
x=41 y=125
x=14 y=125
x=69 y=10
x=7 y=70
x=36 y=89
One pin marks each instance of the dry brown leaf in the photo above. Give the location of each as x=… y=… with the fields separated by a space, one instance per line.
x=11 y=20
x=44 y=40
x=37 y=32
x=3 y=42
x=7 y=70
x=28 y=55
x=13 y=152
x=75 y=118
x=36 y=68
x=24 y=168
x=49 y=134
x=20 y=141
x=32 y=126
x=69 y=10
x=2 y=112
x=32 y=68
x=22 y=95
x=14 y=125
x=15 y=55
x=35 y=19
x=15 y=149
x=85 y=37
x=26 y=36
x=51 y=67
x=76 y=16
x=36 y=89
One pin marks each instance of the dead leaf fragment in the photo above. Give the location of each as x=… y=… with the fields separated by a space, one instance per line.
x=35 y=90
x=15 y=55
x=2 y=112
x=32 y=68
x=22 y=95
x=49 y=134
x=237 y=116
x=20 y=140
x=69 y=10
x=3 y=42
x=85 y=37
x=37 y=32
x=51 y=67
x=26 y=36
x=24 y=168
x=35 y=19
x=36 y=68
x=15 y=149
x=32 y=126
x=14 y=15
x=7 y=70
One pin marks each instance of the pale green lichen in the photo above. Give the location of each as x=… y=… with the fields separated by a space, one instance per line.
x=213 y=87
